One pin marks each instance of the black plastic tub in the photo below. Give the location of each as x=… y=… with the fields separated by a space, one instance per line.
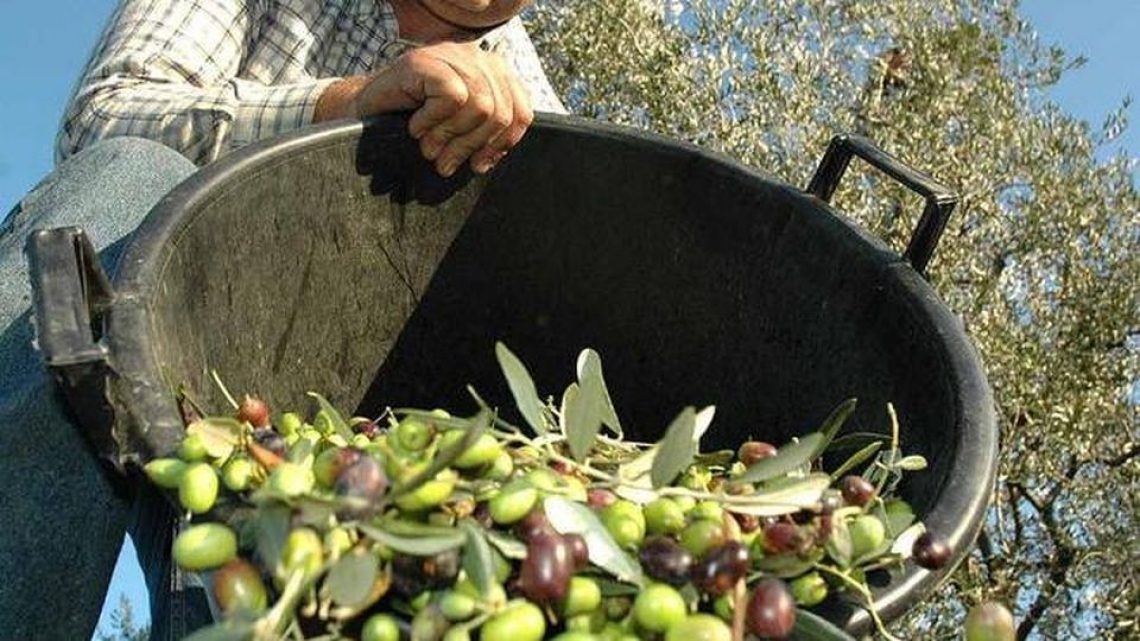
x=332 y=260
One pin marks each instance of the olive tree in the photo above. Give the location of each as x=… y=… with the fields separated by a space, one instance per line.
x=1041 y=260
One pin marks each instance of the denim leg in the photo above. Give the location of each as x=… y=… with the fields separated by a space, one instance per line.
x=63 y=523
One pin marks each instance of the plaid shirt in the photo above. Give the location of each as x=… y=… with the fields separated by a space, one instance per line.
x=208 y=76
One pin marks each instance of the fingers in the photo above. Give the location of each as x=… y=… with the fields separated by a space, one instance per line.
x=472 y=110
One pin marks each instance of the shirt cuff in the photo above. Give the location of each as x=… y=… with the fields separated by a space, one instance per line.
x=267 y=111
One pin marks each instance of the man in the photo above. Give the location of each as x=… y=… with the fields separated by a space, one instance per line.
x=171 y=86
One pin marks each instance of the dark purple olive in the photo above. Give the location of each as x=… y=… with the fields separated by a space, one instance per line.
x=719 y=570
x=533 y=524
x=748 y=523
x=782 y=537
x=367 y=428
x=268 y=438
x=666 y=560
x=411 y=575
x=599 y=498
x=856 y=490
x=930 y=551
x=579 y=551
x=771 y=612
x=545 y=573
x=364 y=479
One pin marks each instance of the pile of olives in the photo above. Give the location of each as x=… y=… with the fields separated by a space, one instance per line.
x=422 y=525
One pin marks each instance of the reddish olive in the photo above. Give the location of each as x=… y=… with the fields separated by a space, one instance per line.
x=771 y=612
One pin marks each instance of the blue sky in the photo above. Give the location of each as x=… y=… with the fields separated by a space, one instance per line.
x=44 y=44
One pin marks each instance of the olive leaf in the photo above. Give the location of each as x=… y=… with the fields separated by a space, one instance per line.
x=590 y=376
x=787 y=566
x=856 y=440
x=351 y=578
x=790 y=457
x=831 y=426
x=334 y=417
x=219 y=434
x=676 y=449
x=897 y=514
x=271 y=530
x=522 y=388
x=509 y=546
x=912 y=463
x=812 y=627
x=478 y=558
x=838 y=544
x=782 y=496
x=417 y=539
x=572 y=517
x=581 y=419
x=857 y=459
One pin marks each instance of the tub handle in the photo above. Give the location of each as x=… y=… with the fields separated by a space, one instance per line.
x=70 y=296
x=940 y=201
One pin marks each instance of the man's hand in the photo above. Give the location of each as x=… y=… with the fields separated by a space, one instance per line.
x=467 y=105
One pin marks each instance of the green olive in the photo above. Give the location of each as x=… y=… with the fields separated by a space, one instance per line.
x=238 y=586
x=867 y=534
x=238 y=474
x=699 y=627
x=204 y=546
x=198 y=488
x=291 y=479
x=430 y=494
x=625 y=522
x=338 y=542
x=457 y=606
x=303 y=551
x=808 y=590
x=520 y=621
x=165 y=472
x=501 y=468
x=702 y=535
x=582 y=596
x=515 y=501
x=659 y=607
x=192 y=448
x=664 y=516
x=289 y=423
x=708 y=510
x=380 y=627
x=413 y=435
x=482 y=452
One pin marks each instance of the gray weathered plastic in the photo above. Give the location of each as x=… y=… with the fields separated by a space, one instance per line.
x=334 y=261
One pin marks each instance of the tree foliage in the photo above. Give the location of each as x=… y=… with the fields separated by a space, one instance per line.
x=1041 y=260
x=123 y=624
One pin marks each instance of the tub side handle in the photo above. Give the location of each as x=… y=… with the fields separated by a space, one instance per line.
x=940 y=201
x=71 y=294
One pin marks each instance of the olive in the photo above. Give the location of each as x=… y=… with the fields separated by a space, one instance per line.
x=289 y=424
x=809 y=589
x=329 y=463
x=582 y=596
x=380 y=627
x=165 y=472
x=575 y=635
x=867 y=534
x=364 y=479
x=204 y=546
x=482 y=452
x=238 y=586
x=578 y=549
x=752 y=451
x=783 y=537
x=990 y=621
x=254 y=411
x=429 y=624
x=708 y=510
x=513 y=503
x=291 y=479
x=600 y=497
x=457 y=606
x=192 y=448
x=268 y=438
x=725 y=605
x=533 y=524
x=412 y=575
x=665 y=560
x=659 y=607
x=545 y=573
x=720 y=569
x=303 y=552
x=699 y=627
x=664 y=516
x=771 y=612
x=338 y=541
x=930 y=551
x=238 y=473
x=856 y=490
x=413 y=435
x=198 y=488
x=501 y=468
x=625 y=523
x=430 y=494
x=701 y=536
x=617 y=607
x=520 y=621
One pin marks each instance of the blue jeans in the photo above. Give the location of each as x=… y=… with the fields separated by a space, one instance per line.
x=63 y=522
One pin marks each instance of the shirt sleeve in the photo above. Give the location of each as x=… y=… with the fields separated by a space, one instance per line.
x=512 y=41
x=167 y=70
